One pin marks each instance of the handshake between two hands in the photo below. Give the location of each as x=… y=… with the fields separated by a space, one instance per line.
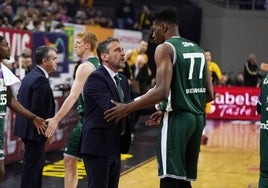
x=46 y=127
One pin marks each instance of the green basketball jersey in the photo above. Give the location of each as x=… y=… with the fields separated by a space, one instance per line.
x=80 y=102
x=3 y=96
x=264 y=125
x=95 y=61
x=188 y=85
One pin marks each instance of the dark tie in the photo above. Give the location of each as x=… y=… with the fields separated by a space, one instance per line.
x=119 y=87
x=121 y=96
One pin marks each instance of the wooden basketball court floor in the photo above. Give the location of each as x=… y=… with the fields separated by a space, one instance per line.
x=230 y=159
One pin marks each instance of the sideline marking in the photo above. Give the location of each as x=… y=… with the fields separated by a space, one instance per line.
x=56 y=169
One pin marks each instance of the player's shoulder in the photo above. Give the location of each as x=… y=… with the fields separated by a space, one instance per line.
x=85 y=65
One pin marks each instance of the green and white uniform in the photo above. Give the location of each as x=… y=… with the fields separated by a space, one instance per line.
x=3 y=106
x=72 y=148
x=263 y=181
x=7 y=78
x=183 y=121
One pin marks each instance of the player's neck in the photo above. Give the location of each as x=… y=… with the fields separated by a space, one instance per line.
x=87 y=55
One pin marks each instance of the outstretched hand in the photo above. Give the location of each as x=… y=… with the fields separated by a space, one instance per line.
x=116 y=113
x=51 y=139
x=40 y=125
x=154 y=119
x=51 y=126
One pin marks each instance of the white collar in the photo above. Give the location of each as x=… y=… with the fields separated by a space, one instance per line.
x=111 y=73
x=45 y=72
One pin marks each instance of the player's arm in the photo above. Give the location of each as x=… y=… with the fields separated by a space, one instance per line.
x=14 y=105
x=209 y=86
x=219 y=73
x=164 y=67
x=264 y=66
x=81 y=75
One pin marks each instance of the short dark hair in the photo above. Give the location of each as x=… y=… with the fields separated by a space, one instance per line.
x=1 y=38
x=102 y=46
x=42 y=52
x=166 y=14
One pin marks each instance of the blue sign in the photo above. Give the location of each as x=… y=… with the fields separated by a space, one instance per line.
x=58 y=41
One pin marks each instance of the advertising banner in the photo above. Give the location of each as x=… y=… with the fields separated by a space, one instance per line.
x=100 y=32
x=70 y=30
x=129 y=39
x=237 y=103
x=57 y=40
x=17 y=39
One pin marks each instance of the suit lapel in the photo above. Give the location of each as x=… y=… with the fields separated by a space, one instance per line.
x=39 y=71
x=125 y=138
x=110 y=82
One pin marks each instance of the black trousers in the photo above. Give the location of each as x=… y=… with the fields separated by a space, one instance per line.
x=33 y=164
x=174 y=183
x=102 y=171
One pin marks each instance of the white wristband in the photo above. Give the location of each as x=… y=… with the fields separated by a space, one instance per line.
x=137 y=98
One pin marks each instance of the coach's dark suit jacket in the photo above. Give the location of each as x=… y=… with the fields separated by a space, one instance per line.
x=40 y=102
x=36 y=95
x=99 y=137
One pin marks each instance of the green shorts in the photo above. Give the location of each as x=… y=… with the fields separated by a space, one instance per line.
x=2 y=139
x=263 y=180
x=72 y=147
x=179 y=145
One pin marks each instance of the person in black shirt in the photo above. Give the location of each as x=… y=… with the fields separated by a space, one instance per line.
x=251 y=72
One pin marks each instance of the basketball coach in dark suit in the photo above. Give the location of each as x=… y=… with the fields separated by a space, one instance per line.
x=35 y=94
x=102 y=142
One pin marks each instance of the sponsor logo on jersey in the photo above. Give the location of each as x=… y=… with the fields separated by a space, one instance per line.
x=187 y=44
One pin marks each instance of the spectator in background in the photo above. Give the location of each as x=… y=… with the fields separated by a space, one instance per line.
x=86 y=3
x=251 y=71
x=217 y=79
x=49 y=13
x=96 y=17
x=239 y=80
x=59 y=27
x=226 y=79
x=125 y=15
x=8 y=13
x=17 y=24
x=72 y=7
x=144 y=22
x=80 y=17
x=131 y=58
x=142 y=74
x=3 y=21
x=37 y=25
x=23 y=63
x=215 y=70
x=26 y=60
x=131 y=55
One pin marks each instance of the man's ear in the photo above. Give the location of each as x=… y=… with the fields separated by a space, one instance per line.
x=104 y=56
x=88 y=45
x=165 y=27
x=44 y=61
